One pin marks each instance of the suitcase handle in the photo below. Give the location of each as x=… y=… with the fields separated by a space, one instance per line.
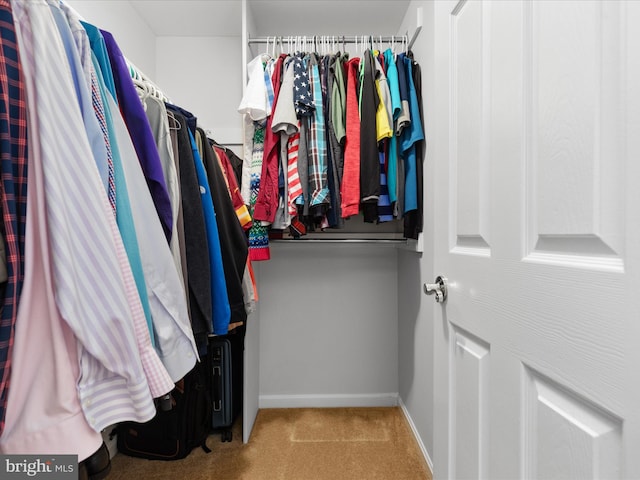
x=217 y=390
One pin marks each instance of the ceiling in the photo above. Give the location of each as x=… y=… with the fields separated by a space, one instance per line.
x=191 y=18
x=327 y=17
x=272 y=17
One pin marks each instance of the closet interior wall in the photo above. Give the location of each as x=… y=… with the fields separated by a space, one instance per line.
x=328 y=312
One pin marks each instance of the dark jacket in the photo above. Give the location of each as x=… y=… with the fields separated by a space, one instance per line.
x=233 y=241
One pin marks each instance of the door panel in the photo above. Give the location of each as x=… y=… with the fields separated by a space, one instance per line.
x=566 y=435
x=470 y=373
x=533 y=167
x=574 y=170
x=469 y=156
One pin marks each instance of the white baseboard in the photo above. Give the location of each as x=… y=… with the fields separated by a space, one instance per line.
x=329 y=401
x=414 y=429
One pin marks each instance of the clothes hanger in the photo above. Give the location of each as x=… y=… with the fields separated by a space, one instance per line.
x=177 y=125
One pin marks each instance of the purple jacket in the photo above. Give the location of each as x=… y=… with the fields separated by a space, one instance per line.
x=140 y=132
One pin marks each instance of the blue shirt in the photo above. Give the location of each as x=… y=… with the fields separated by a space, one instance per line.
x=412 y=134
x=99 y=48
x=83 y=96
x=219 y=297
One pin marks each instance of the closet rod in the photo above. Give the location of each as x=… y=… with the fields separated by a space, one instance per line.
x=339 y=240
x=339 y=39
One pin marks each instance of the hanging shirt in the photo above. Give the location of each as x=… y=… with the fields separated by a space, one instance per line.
x=258 y=233
x=233 y=241
x=394 y=85
x=350 y=188
x=302 y=88
x=336 y=102
x=140 y=132
x=410 y=135
x=255 y=101
x=404 y=118
x=180 y=234
x=285 y=121
x=83 y=94
x=318 y=183
x=284 y=114
x=242 y=212
x=221 y=313
x=369 y=157
x=43 y=406
x=384 y=122
x=413 y=221
x=99 y=48
x=396 y=108
x=294 y=190
x=124 y=218
x=195 y=237
x=339 y=98
x=159 y=123
x=267 y=200
x=13 y=160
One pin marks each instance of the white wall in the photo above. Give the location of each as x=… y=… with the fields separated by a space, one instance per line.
x=328 y=332
x=204 y=75
x=136 y=40
x=415 y=310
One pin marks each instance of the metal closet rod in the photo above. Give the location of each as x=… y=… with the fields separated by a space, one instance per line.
x=341 y=38
x=339 y=240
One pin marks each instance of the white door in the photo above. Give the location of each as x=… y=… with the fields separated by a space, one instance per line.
x=537 y=227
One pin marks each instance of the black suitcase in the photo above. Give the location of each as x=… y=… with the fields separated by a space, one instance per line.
x=226 y=365
x=177 y=428
x=221 y=388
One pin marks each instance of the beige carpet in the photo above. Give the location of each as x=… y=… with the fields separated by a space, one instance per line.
x=299 y=444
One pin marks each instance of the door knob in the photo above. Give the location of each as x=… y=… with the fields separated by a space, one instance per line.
x=439 y=289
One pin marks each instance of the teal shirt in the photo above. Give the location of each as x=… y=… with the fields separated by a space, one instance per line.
x=124 y=217
x=99 y=49
x=410 y=136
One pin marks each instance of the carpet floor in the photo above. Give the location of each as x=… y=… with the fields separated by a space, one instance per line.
x=299 y=444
